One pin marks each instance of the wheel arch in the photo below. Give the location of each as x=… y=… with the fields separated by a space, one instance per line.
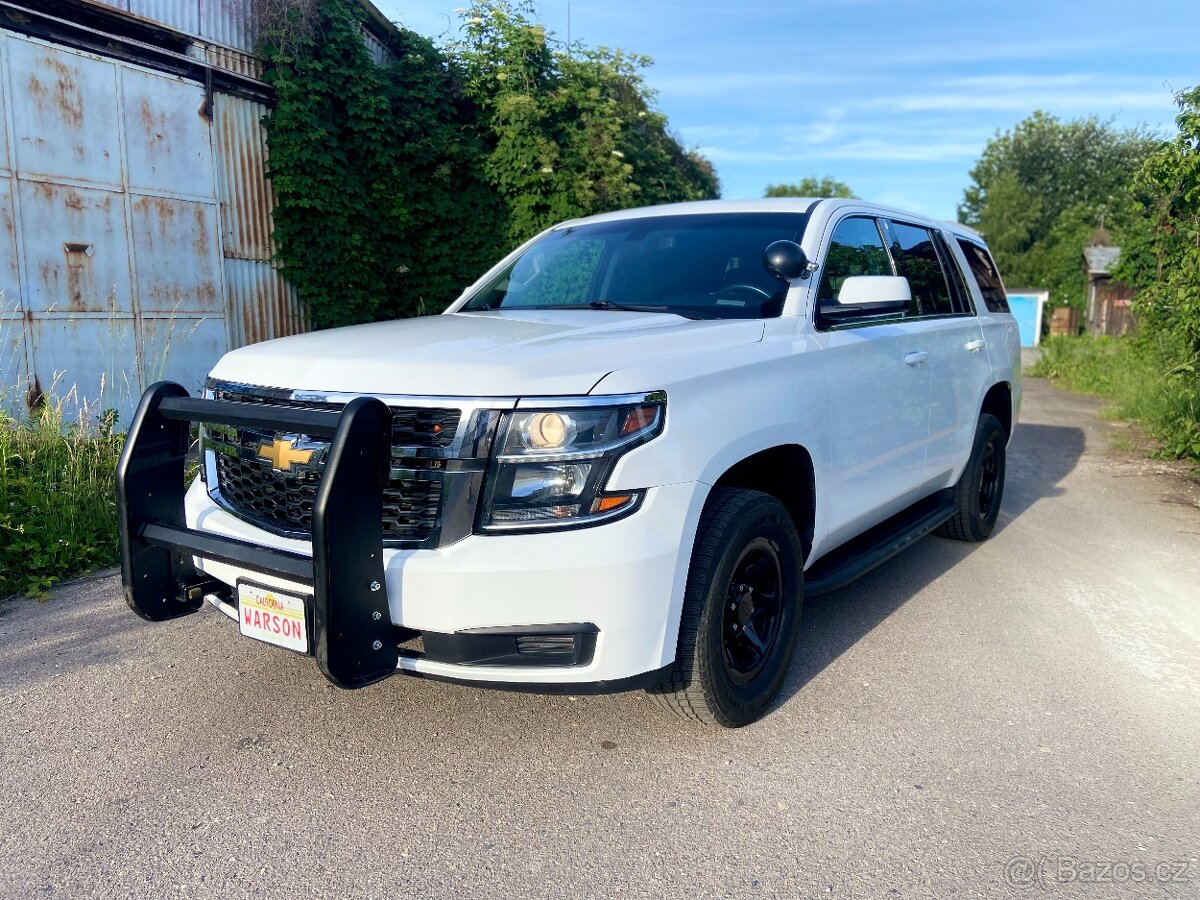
x=998 y=401
x=785 y=472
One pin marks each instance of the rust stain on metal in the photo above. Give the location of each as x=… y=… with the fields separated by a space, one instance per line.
x=35 y=397
x=64 y=95
x=154 y=125
x=81 y=285
x=201 y=242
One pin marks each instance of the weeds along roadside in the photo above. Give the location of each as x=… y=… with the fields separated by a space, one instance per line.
x=58 y=516
x=1148 y=379
x=57 y=505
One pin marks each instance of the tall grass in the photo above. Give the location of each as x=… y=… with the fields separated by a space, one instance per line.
x=1148 y=379
x=57 y=506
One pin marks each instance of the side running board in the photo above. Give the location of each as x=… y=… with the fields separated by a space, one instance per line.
x=872 y=548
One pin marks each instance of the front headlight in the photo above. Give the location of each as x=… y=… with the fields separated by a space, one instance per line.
x=550 y=465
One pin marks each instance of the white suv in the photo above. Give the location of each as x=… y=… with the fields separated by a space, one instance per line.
x=619 y=460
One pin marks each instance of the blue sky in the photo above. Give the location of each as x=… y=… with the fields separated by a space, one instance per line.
x=895 y=98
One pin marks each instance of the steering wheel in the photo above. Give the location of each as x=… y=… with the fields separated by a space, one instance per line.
x=743 y=286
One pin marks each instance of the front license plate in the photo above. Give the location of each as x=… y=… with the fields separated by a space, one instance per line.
x=272 y=616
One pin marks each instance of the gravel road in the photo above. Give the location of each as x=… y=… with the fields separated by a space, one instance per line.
x=1017 y=718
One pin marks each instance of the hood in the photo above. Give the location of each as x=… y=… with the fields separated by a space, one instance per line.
x=481 y=354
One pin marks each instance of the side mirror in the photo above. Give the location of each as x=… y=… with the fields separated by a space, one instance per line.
x=874 y=294
x=786 y=260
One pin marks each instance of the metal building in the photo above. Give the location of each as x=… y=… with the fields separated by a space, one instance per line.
x=136 y=239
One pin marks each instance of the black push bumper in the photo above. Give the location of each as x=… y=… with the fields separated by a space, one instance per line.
x=352 y=636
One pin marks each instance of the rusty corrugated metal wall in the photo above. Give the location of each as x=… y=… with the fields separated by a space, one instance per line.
x=261 y=303
x=114 y=261
x=135 y=213
x=225 y=22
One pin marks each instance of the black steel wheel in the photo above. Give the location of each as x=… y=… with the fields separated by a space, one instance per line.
x=753 y=611
x=741 y=611
x=981 y=486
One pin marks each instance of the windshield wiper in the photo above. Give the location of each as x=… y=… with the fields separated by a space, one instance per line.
x=633 y=307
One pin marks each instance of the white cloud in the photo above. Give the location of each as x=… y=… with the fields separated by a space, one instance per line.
x=1095 y=100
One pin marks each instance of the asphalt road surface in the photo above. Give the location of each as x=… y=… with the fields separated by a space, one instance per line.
x=1017 y=718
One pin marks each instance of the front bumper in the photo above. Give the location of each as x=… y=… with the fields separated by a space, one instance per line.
x=625 y=578
x=618 y=587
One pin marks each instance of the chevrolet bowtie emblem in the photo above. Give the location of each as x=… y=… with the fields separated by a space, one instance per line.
x=282 y=455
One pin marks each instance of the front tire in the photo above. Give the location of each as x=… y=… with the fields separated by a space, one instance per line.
x=980 y=488
x=741 y=611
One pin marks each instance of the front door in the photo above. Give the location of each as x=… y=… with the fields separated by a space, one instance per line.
x=878 y=381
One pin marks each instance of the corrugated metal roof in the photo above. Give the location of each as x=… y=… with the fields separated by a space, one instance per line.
x=1100 y=260
x=230 y=23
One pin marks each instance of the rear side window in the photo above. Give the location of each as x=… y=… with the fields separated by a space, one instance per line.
x=984 y=271
x=917 y=260
x=963 y=304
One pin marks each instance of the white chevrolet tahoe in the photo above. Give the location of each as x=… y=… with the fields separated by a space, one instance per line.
x=619 y=460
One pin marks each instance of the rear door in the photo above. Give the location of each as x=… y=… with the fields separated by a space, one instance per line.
x=959 y=367
x=991 y=303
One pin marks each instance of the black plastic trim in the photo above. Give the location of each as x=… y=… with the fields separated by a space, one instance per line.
x=877 y=545
x=560 y=688
x=501 y=646
x=265 y=560
x=318 y=422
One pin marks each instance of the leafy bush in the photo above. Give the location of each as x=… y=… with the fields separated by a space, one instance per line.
x=57 y=506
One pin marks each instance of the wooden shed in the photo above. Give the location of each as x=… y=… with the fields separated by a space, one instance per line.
x=1109 y=302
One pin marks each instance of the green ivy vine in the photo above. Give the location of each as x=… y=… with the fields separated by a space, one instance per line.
x=398 y=185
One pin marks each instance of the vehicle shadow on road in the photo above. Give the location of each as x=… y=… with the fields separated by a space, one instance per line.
x=1039 y=458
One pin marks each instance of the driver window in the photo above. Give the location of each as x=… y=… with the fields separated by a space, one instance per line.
x=856 y=248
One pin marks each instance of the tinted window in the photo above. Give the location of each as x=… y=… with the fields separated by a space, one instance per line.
x=963 y=305
x=986 y=276
x=917 y=260
x=702 y=266
x=856 y=248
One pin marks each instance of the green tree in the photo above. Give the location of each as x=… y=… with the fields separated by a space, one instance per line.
x=1163 y=258
x=1040 y=191
x=399 y=184
x=811 y=186
x=570 y=133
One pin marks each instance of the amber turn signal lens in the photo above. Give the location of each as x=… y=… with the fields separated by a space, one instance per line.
x=638 y=418
x=610 y=501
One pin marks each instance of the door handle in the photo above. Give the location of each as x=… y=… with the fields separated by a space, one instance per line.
x=915 y=359
x=975 y=346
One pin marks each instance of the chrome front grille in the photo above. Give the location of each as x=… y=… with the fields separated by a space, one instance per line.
x=431 y=464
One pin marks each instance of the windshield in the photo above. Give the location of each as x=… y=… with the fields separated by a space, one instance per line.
x=699 y=266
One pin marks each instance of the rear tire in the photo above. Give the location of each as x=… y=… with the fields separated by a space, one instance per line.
x=741 y=611
x=980 y=488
